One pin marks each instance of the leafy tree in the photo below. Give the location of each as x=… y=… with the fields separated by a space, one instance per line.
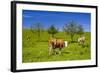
x=80 y=30
x=52 y=30
x=71 y=29
x=37 y=29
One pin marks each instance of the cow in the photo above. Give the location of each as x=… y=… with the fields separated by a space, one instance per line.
x=81 y=40
x=56 y=44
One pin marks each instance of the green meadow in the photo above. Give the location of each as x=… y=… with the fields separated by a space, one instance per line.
x=35 y=49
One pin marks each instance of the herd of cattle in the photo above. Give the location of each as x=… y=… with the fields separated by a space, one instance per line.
x=60 y=43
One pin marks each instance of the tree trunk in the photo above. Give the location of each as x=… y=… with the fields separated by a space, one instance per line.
x=72 y=38
x=52 y=35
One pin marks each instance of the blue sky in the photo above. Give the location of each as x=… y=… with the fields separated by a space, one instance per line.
x=58 y=19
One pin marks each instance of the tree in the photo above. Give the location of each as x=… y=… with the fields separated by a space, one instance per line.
x=37 y=29
x=52 y=30
x=80 y=30
x=71 y=28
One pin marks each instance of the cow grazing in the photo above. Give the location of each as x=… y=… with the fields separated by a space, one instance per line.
x=81 y=40
x=56 y=44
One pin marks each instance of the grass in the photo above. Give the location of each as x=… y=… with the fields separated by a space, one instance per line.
x=37 y=51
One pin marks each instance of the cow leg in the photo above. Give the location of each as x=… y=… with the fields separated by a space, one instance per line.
x=60 y=51
x=54 y=51
x=83 y=43
x=50 y=50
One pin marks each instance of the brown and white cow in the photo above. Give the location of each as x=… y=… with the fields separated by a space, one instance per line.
x=56 y=44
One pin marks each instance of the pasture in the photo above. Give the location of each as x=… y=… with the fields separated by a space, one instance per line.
x=36 y=50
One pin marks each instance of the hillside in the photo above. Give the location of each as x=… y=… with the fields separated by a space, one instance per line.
x=36 y=49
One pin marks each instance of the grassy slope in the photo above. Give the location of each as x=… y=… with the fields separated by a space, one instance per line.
x=34 y=51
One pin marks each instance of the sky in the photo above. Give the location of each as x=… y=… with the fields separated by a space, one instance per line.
x=58 y=19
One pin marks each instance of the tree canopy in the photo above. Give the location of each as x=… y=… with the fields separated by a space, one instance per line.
x=52 y=30
x=73 y=28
